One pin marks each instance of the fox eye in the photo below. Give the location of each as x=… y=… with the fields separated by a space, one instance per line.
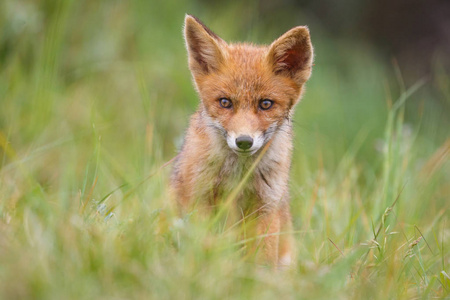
x=265 y=104
x=225 y=103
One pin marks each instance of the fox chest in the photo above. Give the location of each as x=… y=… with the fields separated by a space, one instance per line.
x=233 y=174
x=229 y=175
x=265 y=184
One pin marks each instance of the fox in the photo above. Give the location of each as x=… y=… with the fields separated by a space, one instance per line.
x=243 y=124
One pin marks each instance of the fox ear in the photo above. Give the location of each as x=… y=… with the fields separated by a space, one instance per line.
x=292 y=54
x=203 y=47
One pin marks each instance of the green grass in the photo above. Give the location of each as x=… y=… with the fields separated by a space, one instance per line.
x=94 y=98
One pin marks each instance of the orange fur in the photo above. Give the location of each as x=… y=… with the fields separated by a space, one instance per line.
x=213 y=160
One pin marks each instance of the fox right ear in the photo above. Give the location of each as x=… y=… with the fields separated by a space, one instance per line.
x=203 y=47
x=292 y=54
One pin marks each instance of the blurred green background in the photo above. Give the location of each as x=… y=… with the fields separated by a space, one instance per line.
x=95 y=97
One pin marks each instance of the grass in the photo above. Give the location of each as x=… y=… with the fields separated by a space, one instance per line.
x=94 y=98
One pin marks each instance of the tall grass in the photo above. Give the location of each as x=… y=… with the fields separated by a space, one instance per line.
x=94 y=98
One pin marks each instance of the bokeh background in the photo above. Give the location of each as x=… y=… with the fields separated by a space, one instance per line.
x=67 y=65
x=95 y=97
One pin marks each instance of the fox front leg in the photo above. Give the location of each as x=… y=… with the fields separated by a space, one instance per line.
x=268 y=233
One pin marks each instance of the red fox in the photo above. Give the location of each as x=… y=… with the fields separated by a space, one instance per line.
x=247 y=95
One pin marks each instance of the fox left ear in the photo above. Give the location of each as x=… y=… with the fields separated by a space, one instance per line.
x=292 y=54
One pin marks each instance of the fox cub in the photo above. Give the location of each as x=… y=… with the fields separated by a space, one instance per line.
x=243 y=125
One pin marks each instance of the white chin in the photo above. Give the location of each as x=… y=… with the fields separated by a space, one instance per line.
x=244 y=153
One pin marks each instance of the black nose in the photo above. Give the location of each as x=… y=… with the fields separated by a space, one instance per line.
x=244 y=142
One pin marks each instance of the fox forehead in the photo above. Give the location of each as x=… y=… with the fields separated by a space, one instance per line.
x=246 y=55
x=245 y=75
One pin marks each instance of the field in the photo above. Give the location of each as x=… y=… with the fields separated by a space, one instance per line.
x=94 y=100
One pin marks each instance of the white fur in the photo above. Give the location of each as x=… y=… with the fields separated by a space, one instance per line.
x=258 y=142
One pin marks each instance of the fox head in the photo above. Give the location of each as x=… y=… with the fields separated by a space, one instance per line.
x=246 y=91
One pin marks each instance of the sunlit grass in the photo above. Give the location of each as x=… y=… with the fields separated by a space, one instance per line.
x=91 y=113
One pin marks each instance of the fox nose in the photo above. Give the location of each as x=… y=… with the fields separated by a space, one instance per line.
x=244 y=142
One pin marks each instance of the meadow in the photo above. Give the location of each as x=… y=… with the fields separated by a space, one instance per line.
x=94 y=100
